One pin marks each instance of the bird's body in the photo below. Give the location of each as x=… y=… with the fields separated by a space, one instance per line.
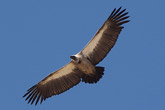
x=83 y=66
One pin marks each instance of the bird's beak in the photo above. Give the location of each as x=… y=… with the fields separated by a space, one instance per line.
x=73 y=57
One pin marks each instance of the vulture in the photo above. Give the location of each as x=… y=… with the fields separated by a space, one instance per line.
x=83 y=66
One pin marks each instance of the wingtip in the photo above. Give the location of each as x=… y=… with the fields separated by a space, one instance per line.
x=116 y=12
x=120 y=8
x=128 y=21
x=24 y=96
x=124 y=10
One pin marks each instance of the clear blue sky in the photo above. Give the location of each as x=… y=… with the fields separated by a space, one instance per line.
x=38 y=36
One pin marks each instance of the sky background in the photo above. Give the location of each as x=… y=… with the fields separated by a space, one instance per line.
x=38 y=36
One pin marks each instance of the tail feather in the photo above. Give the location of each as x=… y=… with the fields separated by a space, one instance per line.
x=96 y=77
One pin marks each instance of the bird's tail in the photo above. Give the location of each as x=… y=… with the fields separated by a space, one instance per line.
x=94 y=78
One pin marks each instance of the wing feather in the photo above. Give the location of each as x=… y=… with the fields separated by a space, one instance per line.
x=54 y=84
x=106 y=37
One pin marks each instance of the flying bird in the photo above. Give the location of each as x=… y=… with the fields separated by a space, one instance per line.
x=83 y=66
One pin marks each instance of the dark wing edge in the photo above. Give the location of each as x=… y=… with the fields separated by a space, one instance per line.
x=106 y=37
x=50 y=86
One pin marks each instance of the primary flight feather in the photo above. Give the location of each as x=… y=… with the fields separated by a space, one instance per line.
x=82 y=66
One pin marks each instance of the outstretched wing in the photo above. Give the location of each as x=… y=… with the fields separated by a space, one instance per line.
x=55 y=83
x=97 y=49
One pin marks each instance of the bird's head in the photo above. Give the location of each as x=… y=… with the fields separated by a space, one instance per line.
x=75 y=59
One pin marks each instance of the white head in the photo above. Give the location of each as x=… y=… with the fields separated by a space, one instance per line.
x=75 y=59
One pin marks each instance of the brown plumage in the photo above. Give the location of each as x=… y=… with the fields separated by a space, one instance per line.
x=82 y=67
x=106 y=37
